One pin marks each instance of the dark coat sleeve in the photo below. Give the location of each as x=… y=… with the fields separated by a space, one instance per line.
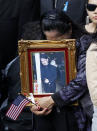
x=77 y=87
x=13 y=79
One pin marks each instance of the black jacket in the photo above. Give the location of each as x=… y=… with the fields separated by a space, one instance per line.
x=76 y=8
x=13 y=15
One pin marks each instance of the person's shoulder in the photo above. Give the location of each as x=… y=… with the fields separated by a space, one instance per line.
x=83 y=43
x=86 y=37
x=12 y=67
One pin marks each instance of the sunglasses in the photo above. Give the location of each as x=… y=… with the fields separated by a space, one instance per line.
x=91 y=7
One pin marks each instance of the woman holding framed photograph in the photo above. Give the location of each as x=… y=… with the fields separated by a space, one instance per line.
x=58 y=112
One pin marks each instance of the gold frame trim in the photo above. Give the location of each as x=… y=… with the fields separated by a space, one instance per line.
x=24 y=45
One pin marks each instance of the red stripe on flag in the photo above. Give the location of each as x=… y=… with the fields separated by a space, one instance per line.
x=15 y=110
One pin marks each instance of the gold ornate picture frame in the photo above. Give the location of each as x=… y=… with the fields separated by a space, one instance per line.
x=46 y=66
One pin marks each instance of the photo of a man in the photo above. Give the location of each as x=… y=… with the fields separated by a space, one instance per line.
x=48 y=71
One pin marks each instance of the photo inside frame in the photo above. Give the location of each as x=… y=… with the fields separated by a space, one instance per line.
x=48 y=71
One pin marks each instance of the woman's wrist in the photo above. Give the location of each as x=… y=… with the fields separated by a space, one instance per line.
x=51 y=101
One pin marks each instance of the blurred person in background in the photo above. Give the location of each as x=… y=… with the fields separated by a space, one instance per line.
x=13 y=15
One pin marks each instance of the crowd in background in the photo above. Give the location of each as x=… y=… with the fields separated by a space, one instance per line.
x=17 y=20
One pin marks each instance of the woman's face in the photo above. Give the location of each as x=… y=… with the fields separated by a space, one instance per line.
x=92 y=14
x=55 y=35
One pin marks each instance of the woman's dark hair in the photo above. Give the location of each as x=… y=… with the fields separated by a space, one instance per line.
x=58 y=20
x=32 y=31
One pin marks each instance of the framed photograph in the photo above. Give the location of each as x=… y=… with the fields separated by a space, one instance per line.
x=46 y=66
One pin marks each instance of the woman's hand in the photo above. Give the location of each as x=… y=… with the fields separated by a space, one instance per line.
x=46 y=102
x=44 y=106
x=40 y=111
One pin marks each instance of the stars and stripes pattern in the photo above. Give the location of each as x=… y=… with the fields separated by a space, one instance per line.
x=16 y=107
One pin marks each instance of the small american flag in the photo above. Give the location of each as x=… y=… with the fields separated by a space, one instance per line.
x=17 y=107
